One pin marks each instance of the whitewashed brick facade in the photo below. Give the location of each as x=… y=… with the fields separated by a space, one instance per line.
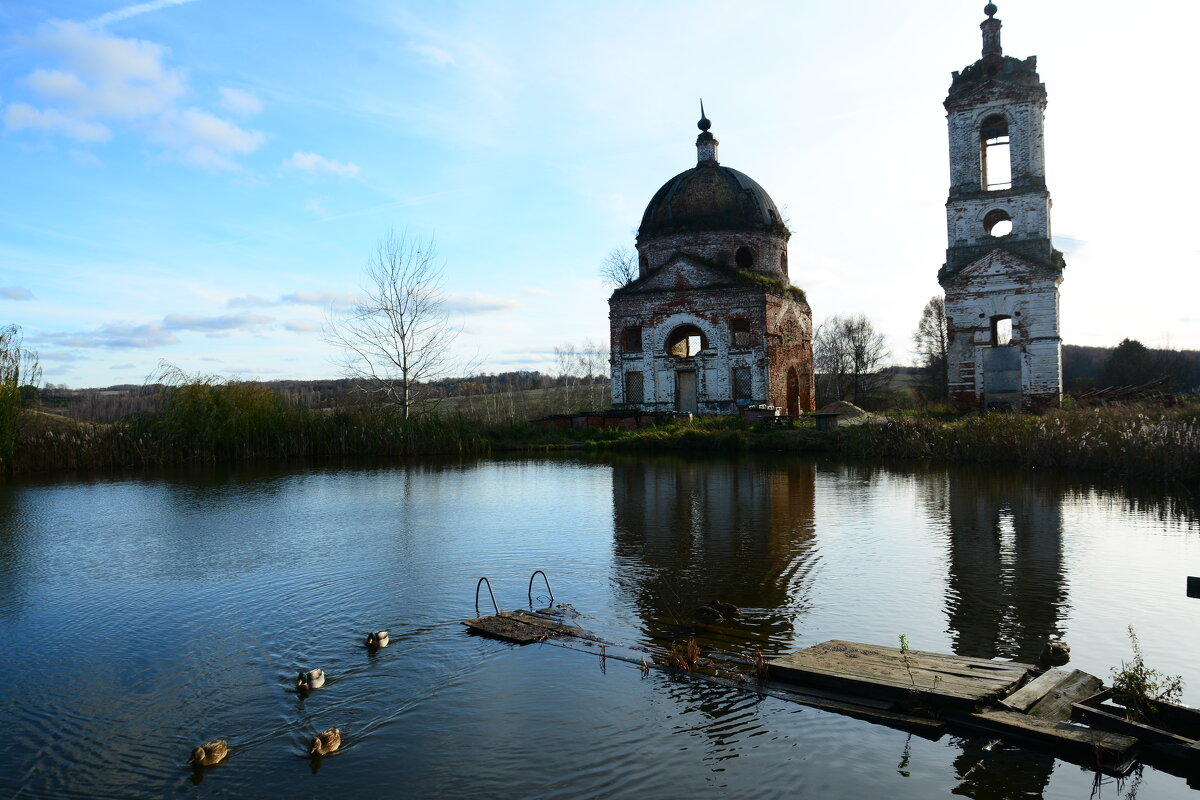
x=995 y=279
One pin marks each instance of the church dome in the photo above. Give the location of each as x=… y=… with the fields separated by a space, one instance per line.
x=710 y=197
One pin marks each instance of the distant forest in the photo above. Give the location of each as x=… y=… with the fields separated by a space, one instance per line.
x=1084 y=369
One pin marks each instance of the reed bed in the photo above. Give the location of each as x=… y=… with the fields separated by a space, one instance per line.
x=203 y=421
x=1161 y=443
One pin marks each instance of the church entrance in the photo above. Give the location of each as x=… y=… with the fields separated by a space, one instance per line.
x=685 y=391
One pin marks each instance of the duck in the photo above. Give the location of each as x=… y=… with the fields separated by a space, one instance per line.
x=377 y=639
x=312 y=679
x=325 y=742
x=209 y=753
x=727 y=609
x=707 y=615
x=1055 y=654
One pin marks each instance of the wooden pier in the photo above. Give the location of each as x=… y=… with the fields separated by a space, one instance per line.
x=1003 y=698
x=890 y=673
x=915 y=690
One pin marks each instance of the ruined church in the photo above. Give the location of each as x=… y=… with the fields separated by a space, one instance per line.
x=1002 y=273
x=711 y=324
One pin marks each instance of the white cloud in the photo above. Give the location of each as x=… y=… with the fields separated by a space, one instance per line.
x=19 y=116
x=109 y=76
x=15 y=293
x=84 y=158
x=311 y=162
x=536 y=291
x=313 y=206
x=228 y=322
x=237 y=101
x=123 y=335
x=103 y=79
x=249 y=301
x=477 y=303
x=116 y=335
x=434 y=55
x=134 y=10
x=301 y=326
x=322 y=299
x=205 y=139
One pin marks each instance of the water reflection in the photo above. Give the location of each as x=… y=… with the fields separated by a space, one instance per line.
x=1006 y=590
x=688 y=533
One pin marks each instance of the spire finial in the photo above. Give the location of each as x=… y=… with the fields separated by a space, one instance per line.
x=706 y=143
x=991 y=32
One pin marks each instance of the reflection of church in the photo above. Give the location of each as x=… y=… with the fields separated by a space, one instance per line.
x=687 y=533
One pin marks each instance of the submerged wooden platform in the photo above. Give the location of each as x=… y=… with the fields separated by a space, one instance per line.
x=887 y=672
x=527 y=627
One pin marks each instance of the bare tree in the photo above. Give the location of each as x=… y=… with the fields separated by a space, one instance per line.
x=397 y=337
x=620 y=267
x=932 y=345
x=583 y=372
x=850 y=355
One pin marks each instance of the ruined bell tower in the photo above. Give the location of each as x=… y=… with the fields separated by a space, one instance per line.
x=1002 y=273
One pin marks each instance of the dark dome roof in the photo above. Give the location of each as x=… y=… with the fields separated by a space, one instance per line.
x=710 y=198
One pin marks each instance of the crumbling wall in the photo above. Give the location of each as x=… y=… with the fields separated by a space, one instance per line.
x=719 y=247
x=1004 y=285
x=778 y=335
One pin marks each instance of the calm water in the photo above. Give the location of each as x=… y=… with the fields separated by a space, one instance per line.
x=142 y=616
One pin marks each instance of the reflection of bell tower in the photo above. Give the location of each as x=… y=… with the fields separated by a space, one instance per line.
x=690 y=532
x=1002 y=272
x=1006 y=591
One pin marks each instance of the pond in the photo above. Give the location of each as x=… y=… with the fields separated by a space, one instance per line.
x=141 y=616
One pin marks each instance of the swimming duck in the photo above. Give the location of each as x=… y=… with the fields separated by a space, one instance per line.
x=325 y=742
x=313 y=679
x=377 y=639
x=727 y=609
x=209 y=753
x=707 y=615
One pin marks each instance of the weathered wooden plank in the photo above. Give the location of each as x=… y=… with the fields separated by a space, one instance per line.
x=1110 y=747
x=1056 y=704
x=879 y=670
x=1024 y=698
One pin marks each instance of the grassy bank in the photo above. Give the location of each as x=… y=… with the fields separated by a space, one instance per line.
x=1150 y=443
x=201 y=421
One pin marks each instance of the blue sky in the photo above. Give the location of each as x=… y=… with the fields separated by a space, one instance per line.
x=202 y=181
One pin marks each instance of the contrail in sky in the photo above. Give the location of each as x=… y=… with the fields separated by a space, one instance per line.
x=134 y=10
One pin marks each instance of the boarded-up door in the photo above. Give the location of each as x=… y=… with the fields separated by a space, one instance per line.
x=1002 y=377
x=685 y=391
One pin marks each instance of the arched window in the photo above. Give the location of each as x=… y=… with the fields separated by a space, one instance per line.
x=686 y=341
x=995 y=160
x=998 y=222
x=744 y=257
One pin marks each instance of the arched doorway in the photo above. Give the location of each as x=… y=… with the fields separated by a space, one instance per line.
x=793 y=392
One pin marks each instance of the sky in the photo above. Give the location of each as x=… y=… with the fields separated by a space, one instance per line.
x=202 y=182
